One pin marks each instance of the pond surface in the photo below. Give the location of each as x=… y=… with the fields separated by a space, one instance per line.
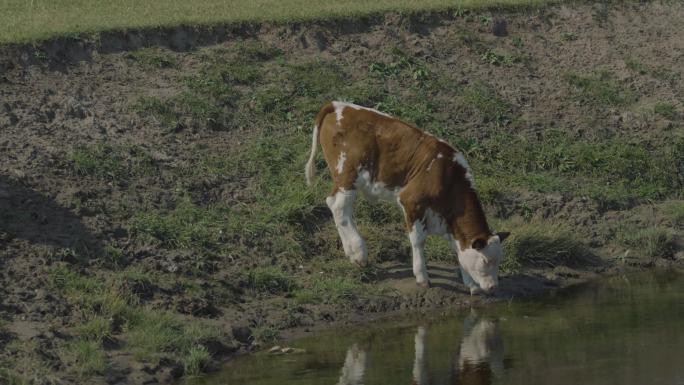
x=624 y=330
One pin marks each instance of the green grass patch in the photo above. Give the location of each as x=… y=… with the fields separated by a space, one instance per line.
x=616 y=173
x=484 y=101
x=542 y=244
x=417 y=112
x=114 y=255
x=498 y=59
x=239 y=72
x=674 y=212
x=9 y=377
x=636 y=66
x=97 y=329
x=329 y=289
x=258 y=51
x=40 y=19
x=439 y=249
x=195 y=360
x=102 y=161
x=156 y=335
x=161 y=110
x=652 y=242
x=270 y=280
x=186 y=226
x=205 y=104
x=153 y=59
x=376 y=212
x=118 y=163
x=601 y=87
x=87 y=356
x=109 y=308
x=403 y=66
x=666 y=110
x=568 y=36
x=264 y=334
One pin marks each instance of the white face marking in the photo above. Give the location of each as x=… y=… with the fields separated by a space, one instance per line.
x=340 y=162
x=461 y=160
x=339 y=106
x=481 y=266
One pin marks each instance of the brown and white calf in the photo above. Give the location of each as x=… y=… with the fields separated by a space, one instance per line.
x=383 y=157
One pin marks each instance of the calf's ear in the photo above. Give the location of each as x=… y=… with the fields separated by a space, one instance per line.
x=479 y=244
x=503 y=235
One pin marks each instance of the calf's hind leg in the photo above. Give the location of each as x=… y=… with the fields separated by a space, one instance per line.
x=341 y=203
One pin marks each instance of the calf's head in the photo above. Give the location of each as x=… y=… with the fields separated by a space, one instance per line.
x=481 y=260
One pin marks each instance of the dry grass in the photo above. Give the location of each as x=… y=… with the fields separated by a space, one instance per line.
x=33 y=20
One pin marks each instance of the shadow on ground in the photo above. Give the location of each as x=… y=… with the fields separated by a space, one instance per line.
x=28 y=215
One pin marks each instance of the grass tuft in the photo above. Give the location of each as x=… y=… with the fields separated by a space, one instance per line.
x=541 y=244
x=600 y=88
x=674 y=212
x=155 y=335
x=666 y=110
x=195 y=360
x=329 y=290
x=484 y=101
x=88 y=357
x=117 y=163
x=151 y=58
x=264 y=334
x=270 y=280
x=653 y=242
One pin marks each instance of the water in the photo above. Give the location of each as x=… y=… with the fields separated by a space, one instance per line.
x=624 y=330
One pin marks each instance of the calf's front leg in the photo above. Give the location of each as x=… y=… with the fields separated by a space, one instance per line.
x=417 y=236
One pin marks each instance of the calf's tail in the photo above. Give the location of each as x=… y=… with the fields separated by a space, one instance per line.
x=310 y=169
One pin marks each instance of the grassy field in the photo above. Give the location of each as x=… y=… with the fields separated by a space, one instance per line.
x=33 y=20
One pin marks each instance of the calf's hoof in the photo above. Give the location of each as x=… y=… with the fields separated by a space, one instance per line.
x=425 y=284
x=361 y=263
x=474 y=290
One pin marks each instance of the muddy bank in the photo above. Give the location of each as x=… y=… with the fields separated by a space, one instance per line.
x=164 y=186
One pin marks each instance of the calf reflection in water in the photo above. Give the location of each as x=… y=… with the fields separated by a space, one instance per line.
x=481 y=353
x=480 y=356
x=354 y=366
x=419 y=373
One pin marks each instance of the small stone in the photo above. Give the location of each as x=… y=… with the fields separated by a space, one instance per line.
x=499 y=28
x=40 y=294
